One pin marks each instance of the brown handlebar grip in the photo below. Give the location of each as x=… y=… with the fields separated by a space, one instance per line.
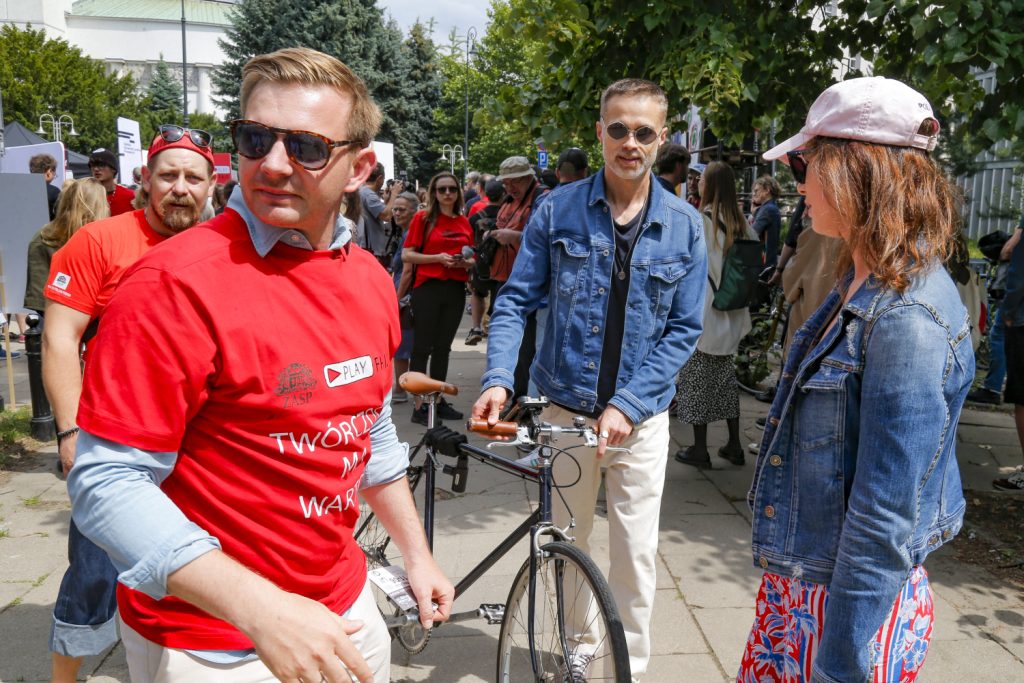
x=420 y=384
x=499 y=428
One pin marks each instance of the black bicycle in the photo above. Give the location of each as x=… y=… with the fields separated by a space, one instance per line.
x=559 y=622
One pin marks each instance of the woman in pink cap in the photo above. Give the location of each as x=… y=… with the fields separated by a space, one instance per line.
x=856 y=479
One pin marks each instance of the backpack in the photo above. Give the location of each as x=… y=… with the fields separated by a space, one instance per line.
x=741 y=266
x=486 y=249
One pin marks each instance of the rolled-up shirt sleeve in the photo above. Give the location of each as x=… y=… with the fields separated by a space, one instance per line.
x=389 y=457
x=118 y=504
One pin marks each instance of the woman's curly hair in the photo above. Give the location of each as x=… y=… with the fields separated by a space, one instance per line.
x=902 y=210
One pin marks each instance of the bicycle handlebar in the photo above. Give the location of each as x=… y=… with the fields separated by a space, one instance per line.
x=497 y=429
x=421 y=385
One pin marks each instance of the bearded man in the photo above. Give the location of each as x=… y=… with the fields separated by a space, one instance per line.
x=179 y=178
x=623 y=265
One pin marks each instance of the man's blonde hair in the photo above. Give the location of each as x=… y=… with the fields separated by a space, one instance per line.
x=309 y=67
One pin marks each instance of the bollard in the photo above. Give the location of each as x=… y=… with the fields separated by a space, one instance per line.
x=42 y=428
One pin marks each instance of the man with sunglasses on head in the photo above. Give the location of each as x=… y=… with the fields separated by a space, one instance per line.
x=223 y=474
x=84 y=274
x=622 y=262
x=103 y=166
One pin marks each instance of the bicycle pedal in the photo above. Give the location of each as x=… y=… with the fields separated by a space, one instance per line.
x=494 y=613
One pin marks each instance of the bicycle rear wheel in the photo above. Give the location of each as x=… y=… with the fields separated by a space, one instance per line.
x=576 y=631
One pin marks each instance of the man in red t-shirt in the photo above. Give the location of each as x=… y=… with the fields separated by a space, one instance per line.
x=83 y=276
x=103 y=165
x=222 y=472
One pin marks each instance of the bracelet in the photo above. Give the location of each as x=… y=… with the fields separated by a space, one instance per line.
x=65 y=434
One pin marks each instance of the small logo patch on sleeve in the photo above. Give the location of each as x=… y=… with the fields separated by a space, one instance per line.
x=61 y=280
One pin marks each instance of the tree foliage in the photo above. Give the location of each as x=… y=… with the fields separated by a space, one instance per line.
x=163 y=91
x=748 y=63
x=39 y=75
x=355 y=32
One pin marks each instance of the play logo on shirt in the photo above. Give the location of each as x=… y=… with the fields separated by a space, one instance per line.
x=348 y=371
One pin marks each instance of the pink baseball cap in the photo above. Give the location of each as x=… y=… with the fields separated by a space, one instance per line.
x=870 y=109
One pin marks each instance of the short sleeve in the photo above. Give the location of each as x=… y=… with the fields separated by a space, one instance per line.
x=76 y=273
x=414 y=239
x=372 y=202
x=144 y=381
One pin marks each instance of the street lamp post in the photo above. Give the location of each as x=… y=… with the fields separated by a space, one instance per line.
x=448 y=154
x=470 y=41
x=184 y=71
x=56 y=125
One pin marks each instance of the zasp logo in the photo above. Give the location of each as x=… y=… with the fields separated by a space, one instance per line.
x=348 y=371
x=61 y=280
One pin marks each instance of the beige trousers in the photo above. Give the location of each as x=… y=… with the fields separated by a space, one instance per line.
x=633 y=487
x=152 y=663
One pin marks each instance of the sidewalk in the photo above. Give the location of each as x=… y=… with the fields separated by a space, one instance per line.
x=706 y=581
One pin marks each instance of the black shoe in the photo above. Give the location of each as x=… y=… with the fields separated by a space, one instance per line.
x=761 y=422
x=446 y=412
x=735 y=458
x=983 y=395
x=687 y=457
x=766 y=396
x=474 y=336
x=419 y=415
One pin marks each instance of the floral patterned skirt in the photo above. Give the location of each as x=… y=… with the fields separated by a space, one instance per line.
x=788 y=627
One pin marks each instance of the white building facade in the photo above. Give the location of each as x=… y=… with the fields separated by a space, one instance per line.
x=131 y=36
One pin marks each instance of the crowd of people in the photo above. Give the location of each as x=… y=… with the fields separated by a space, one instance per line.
x=621 y=294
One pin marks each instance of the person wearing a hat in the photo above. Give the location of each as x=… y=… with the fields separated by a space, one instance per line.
x=523 y=194
x=179 y=177
x=572 y=166
x=103 y=166
x=856 y=481
x=693 y=174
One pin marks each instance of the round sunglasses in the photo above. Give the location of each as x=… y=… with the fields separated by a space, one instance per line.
x=312 y=151
x=645 y=135
x=172 y=133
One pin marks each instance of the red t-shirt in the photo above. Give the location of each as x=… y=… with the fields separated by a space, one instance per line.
x=120 y=200
x=85 y=272
x=479 y=206
x=272 y=435
x=448 y=236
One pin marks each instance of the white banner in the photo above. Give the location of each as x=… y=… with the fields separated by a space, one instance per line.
x=129 y=148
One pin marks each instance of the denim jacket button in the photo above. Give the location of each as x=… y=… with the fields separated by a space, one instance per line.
x=947 y=534
x=775 y=460
x=595 y=329
x=600 y=290
x=769 y=511
x=591 y=365
x=934 y=540
x=605 y=252
x=763 y=561
x=774 y=421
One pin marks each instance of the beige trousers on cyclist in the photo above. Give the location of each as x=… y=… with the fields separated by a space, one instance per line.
x=633 y=486
x=152 y=663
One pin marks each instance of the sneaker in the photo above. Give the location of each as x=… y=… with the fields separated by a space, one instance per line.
x=13 y=354
x=419 y=416
x=399 y=396
x=1014 y=482
x=687 y=457
x=446 y=412
x=983 y=395
x=474 y=336
x=576 y=669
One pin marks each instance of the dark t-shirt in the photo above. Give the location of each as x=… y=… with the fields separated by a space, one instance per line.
x=796 y=225
x=615 y=317
x=768 y=225
x=52 y=197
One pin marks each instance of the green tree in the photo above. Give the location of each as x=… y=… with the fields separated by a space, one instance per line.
x=354 y=31
x=163 y=91
x=422 y=93
x=39 y=75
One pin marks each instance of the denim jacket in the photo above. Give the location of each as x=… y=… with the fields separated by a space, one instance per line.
x=567 y=253
x=857 y=479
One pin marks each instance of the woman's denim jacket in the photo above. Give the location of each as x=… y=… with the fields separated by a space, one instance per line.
x=566 y=255
x=857 y=479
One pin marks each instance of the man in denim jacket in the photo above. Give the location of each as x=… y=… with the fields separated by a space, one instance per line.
x=623 y=265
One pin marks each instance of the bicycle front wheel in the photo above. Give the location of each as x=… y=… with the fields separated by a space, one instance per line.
x=569 y=616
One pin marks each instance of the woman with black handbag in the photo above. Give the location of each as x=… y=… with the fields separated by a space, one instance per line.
x=434 y=246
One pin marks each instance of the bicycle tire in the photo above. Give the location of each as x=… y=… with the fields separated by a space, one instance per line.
x=554 y=641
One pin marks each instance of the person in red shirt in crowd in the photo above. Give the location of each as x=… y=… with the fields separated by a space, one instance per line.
x=434 y=245
x=103 y=165
x=223 y=471
x=83 y=276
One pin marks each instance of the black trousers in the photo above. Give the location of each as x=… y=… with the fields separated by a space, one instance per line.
x=437 y=307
